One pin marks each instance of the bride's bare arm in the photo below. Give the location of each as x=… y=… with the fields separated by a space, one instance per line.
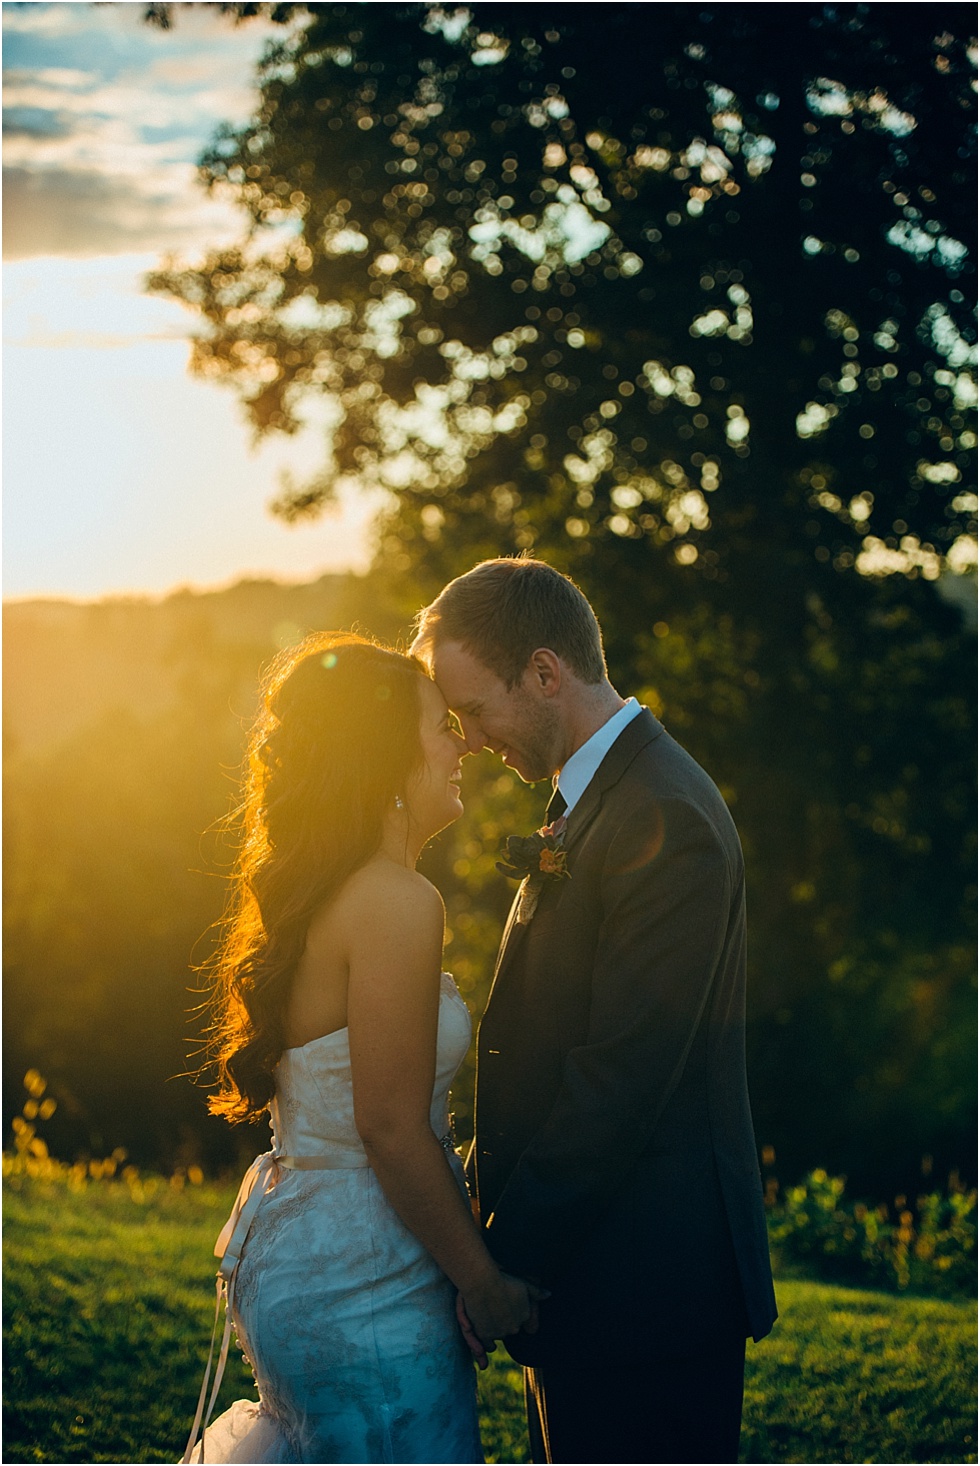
x=394 y=925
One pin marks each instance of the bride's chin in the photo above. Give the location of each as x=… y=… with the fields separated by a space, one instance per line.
x=449 y=817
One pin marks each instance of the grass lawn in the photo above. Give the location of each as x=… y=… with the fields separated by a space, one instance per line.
x=108 y=1302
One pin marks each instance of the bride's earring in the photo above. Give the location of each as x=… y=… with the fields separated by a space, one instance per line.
x=399 y=802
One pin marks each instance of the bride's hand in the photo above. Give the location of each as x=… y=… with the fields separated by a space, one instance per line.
x=476 y=1346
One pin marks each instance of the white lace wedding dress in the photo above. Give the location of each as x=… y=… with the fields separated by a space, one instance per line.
x=347 y=1321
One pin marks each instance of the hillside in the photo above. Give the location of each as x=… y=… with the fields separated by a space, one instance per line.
x=66 y=663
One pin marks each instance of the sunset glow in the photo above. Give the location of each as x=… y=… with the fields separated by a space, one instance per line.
x=121 y=473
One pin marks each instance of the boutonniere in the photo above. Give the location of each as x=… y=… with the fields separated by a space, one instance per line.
x=536 y=860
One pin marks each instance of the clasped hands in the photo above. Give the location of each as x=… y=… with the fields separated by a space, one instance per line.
x=510 y=1307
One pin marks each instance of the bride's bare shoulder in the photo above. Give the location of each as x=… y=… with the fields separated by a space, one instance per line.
x=390 y=895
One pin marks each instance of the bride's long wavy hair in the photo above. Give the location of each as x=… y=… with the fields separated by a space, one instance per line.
x=336 y=741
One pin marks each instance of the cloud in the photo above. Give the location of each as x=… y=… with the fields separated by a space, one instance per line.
x=128 y=99
x=34 y=127
x=56 y=211
x=51 y=20
x=104 y=120
x=95 y=301
x=55 y=76
x=75 y=340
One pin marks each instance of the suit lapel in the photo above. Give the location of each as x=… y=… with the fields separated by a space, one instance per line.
x=643 y=729
x=513 y=932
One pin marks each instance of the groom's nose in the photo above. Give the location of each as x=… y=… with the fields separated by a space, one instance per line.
x=472 y=733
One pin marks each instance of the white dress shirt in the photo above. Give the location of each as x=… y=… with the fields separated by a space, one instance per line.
x=581 y=768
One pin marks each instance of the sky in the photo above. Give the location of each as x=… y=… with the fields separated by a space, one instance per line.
x=121 y=473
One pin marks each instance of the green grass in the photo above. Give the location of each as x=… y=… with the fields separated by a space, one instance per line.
x=108 y=1310
x=109 y=1301
x=850 y=1375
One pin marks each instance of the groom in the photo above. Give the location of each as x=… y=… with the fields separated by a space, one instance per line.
x=614 y=1160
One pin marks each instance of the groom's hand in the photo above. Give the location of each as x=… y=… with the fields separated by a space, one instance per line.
x=480 y=1348
x=474 y=1343
x=537 y=1295
x=497 y=1305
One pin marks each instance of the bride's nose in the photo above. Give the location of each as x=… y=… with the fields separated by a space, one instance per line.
x=472 y=735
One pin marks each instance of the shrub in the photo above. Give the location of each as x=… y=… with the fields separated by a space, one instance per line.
x=30 y=1160
x=928 y=1248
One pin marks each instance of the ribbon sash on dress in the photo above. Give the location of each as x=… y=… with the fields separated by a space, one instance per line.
x=258 y=1180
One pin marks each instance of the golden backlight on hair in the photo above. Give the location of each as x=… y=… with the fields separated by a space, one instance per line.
x=336 y=740
x=502 y=610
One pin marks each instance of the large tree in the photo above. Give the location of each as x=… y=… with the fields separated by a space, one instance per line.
x=668 y=251
x=678 y=297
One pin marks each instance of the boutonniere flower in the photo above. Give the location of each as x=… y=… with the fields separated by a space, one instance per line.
x=536 y=860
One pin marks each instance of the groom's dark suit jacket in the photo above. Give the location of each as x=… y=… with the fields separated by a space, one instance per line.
x=614 y=1156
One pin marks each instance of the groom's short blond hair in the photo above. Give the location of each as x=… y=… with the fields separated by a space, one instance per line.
x=503 y=610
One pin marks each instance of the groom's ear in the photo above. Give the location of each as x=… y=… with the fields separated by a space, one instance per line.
x=545 y=669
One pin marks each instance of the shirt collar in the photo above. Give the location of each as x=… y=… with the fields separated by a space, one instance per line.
x=578 y=773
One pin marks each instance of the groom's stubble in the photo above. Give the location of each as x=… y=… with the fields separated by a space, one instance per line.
x=540 y=724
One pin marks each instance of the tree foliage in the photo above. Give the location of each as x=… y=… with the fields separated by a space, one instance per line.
x=695 y=282
x=679 y=298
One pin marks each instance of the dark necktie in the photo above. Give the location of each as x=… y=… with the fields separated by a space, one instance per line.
x=557 y=806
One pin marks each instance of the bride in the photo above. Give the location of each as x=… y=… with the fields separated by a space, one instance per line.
x=351 y=1237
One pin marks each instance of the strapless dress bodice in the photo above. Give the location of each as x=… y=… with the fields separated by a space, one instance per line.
x=312 y=1113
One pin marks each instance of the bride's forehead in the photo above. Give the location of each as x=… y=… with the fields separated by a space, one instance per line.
x=433 y=703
